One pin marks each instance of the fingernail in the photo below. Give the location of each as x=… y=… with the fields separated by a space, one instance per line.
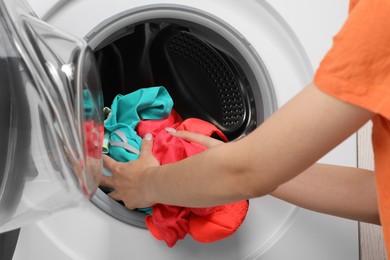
x=170 y=130
x=148 y=137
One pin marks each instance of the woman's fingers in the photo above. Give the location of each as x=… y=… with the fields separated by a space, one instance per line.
x=146 y=146
x=114 y=195
x=125 y=179
x=192 y=137
x=106 y=181
x=146 y=155
x=110 y=163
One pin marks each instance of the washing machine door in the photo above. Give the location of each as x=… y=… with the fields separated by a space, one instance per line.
x=51 y=118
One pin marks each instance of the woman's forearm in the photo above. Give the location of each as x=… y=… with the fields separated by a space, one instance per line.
x=341 y=191
x=213 y=177
x=336 y=190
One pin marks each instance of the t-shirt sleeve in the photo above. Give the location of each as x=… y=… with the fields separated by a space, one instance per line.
x=357 y=67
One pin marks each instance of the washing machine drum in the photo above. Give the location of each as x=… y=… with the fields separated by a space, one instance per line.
x=51 y=118
x=203 y=77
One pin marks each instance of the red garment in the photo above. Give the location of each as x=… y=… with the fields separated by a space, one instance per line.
x=172 y=223
x=168 y=149
x=220 y=223
x=94 y=134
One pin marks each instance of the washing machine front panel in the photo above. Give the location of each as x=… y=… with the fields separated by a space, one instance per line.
x=315 y=24
x=263 y=28
x=273 y=229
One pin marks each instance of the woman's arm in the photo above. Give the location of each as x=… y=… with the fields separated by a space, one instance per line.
x=336 y=190
x=290 y=141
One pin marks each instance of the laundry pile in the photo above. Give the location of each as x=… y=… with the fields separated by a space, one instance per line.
x=150 y=110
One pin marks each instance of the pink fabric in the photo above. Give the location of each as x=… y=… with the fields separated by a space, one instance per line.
x=171 y=223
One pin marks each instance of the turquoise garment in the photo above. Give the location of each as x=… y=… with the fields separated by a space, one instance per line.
x=127 y=111
x=88 y=105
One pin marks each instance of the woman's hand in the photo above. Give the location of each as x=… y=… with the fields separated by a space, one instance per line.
x=126 y=180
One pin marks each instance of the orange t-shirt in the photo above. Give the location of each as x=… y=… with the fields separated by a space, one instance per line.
x=357 y=70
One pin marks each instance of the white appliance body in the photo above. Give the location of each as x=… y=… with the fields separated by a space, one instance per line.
x=290 y=37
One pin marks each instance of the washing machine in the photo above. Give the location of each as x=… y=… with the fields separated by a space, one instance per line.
x=232 y=63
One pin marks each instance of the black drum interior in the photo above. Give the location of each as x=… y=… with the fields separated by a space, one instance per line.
x=203 y=80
